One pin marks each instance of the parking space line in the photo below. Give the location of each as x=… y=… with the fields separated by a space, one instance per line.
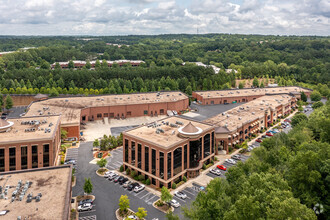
x=145 y=195
x=188 y=192
x=138 y=193
x=180 y=199
x=150 y=198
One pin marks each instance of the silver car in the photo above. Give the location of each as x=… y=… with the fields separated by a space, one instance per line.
x=85 y=207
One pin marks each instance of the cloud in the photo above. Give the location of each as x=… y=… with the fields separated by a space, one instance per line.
x=104 y=17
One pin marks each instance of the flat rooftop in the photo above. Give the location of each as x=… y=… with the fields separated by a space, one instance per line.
x=70 y=108
x=169 y=137
x=250 y=92
x=30 y=128
x=52 y=183
x=248 y=112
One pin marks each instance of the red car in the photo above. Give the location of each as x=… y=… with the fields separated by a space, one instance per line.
x=269 y=134
x=259 y=140
x=287 y=120
x=222 y=167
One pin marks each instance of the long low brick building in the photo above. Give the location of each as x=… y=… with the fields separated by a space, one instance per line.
x=240 y=123
x=75 y=110
x=244 y=95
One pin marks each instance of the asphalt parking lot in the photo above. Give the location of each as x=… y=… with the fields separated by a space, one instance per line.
x=116 y=159
x=115 y=131
x=14 y=112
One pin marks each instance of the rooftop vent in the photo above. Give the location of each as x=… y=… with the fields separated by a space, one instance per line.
x=253 y=113
x=239 y=118
x=179 y=122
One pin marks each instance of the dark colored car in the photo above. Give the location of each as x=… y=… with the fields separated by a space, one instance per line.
x=132 y=186
x=263 y=136
x=269 y=134
x=85 y=201
x=259 y=140
x=122 y=181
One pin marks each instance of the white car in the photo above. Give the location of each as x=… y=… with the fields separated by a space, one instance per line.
x=169 y=113
x=132 y=217
x=139 y=188
x=250 y=149
x=230 y=161
x=85 y=207
x=180 y=194
x=108 y=173
x=175 y=112
x=174 y=203
x=215 y=172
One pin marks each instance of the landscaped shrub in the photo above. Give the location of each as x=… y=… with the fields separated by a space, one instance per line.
x=121 y=169
x=133 y=174
x=159 y=203
x=140 y=177
x=173 y=186
x=128 y=171
x=184 y=178
x=148 y=181
x=204 y=166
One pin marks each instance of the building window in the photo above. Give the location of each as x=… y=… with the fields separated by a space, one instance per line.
x=207 y=145
x=153 y=162
x=128 y=113
x=126 y=150
x=169 y=165
x=133 y=153
x=195 y=153
x=139 y=155
x=105 y=115
x=83 y=118
x=146 y=159
x=145 y=112
x=224 y=101
x=12 y=158
x=212 y=143
x=161 y=165
x=24 y=157
x=34 y=156
x=268 y=117
x=185 y=157
x=161 y=111
x=46 y=155
x=2 y=160
x=262 y=122
x=112 y=115
x=177 y=166
x=212 y=102
x=99 y=115
x=245 y=132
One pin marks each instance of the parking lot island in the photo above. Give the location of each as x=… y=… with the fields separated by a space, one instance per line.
x=166 y=150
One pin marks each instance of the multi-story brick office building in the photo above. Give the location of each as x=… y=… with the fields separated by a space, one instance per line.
x=167 y=150
x=244 y=95
x=240 y=123
x=30 y=142
x=75 y=110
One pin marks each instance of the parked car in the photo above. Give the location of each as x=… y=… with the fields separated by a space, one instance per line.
x=249 y=149
x=86 y=201
x=236 y=157
x=126 y=184
x=264 y=136
x=116 y=179
x=123 y=180
x=132 y=217
x=85 y=207
x=139 y=188
x=287 y=120
x=175 y=112
x=259 y=140
x=70 y=161
x=215 y=172
x=180 y=194
x=222 y=167
x=283 y=126
x=174 y=203
x=108 y=173
x=112 y=176
x=231 y=161
x=120 y=179
x=132 y=186
x=270 y=134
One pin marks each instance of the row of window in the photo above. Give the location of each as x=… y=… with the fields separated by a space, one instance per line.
x=112 y=115
x=24 y=157
x=176 y=156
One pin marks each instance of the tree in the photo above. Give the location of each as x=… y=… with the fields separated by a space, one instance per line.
x=317 y=104
x=298 y=118
x=141 y=213
x=303 y=97
x=255 y=82
x=316 y=96
x=171 y=216
x=123 y=204
x=1 y=102
x=9 y=102
x=240 y=85
x=88 y=186
x=71 y=64
x=189 y=90
x=53 y=92
x=96 y=143
x=102 y=163
x=64 y=134
x=165 y=195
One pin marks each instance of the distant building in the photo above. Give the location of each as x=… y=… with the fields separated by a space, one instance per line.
x=78 y=64
x=167 y=150
x=29 y=142
x=272 y=85
x=42 y=193
x=215 y=69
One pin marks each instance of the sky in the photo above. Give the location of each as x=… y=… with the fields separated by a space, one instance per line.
x=149 y=17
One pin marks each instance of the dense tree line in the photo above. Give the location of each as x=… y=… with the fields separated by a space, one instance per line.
x=286 y=178
x=305 y=59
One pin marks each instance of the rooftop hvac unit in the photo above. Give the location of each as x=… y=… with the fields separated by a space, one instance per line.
x=179 y=122
x=66 y=100
x=223 y=113
x=173 y=125
x=253 y=113
x=239 y=118
x=157 y=132
x=173 y=132
x=261 y=108
x=160 y=130
x=227 y=116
